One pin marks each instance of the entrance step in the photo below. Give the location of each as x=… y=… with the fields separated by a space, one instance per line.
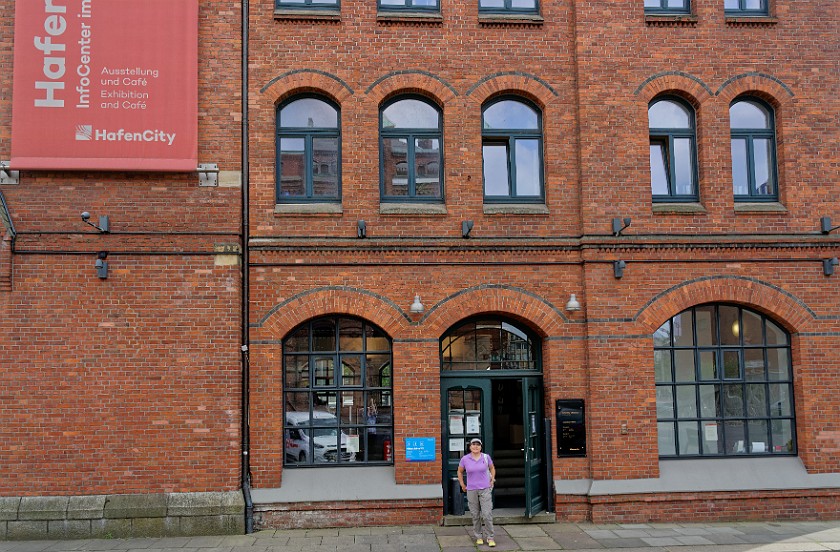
x=503 y=516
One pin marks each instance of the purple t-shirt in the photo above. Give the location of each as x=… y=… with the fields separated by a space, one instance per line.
x=478 y=471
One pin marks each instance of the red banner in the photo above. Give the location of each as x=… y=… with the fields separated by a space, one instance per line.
x=105 y=85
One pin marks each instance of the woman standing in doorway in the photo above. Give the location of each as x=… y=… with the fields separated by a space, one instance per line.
x=481 y=476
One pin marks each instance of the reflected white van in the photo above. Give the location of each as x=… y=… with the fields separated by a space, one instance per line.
x=323 y=439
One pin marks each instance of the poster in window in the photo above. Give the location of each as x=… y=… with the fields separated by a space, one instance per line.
x=456 y=424
x=473 y=424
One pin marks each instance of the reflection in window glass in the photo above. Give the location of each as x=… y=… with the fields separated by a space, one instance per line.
x=672 y=150
x=488 y=344
x=512 y=151
x=753 y=150
x=745 y=391
x=337 y=396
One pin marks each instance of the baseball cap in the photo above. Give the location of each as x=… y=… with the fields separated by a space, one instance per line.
x=475 y=440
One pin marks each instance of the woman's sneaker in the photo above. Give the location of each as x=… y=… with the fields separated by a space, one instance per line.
x=491 y=543
x=479 y=541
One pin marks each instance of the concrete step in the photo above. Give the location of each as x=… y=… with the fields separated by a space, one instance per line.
x=503 y=516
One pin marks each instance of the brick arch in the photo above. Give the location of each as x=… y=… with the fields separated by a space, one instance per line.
x=769 y=88
x=536 y=312
x=287 y=315
x=678 y=83
x=514 y=82
x=411 y=82
x=785 y=308
x=307 y=80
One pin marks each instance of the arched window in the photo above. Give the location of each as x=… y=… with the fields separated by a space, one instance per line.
x=724 y=384
x=511 y=140
x=753 y=150
x=337 y=393
x=308 y=140
x=489 y=344
x=673 y=151
x=410 y=137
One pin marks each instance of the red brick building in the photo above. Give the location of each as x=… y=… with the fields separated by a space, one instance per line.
x=455 y=229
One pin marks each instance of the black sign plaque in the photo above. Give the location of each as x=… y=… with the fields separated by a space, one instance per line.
x=571 y=427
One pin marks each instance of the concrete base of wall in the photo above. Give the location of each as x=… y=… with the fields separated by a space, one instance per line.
x=121 y=516
x=308 y=515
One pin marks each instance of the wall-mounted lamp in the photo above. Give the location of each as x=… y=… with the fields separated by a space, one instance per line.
x=825 y=225
x=361 y=229
x=466 y=228
x=103 y=225
x=617 y=227
x=102 y=265
x=417 y=307
x=573 y=304
x=829 y=264
x=618 y=268
x=7 y=175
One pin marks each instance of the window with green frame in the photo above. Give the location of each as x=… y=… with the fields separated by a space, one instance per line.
x=337 y=394
x=307 y=4
x=746 y=7
x=512 y=143
x=667 y=6
x=489 y=343
x=509 y=6
x=673 y=150
x=724 y=384
x=411 y=149
x=753 y=133
x=409 y=5
x=308 y=151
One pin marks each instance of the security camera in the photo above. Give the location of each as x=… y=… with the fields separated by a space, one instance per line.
x=85 y=216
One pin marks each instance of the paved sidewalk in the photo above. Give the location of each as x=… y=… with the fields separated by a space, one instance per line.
x=653 y=537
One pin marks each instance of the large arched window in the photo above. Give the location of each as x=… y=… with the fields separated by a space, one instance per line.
x=411 y=146
x=753 y=150
x=511 y=144
x=337 y=393
x=673 y=151
x=308 y=151
x=489 y=344
x=724 y=384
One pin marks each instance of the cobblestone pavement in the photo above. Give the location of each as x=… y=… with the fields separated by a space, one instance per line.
x=653 y=537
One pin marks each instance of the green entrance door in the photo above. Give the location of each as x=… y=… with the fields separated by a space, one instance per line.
x=505 y=412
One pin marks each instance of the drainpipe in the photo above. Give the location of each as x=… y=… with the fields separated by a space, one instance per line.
x=245 y=312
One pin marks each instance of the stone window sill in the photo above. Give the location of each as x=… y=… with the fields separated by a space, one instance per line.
x=751 y=20
x=510 y=19
x=677 y=208
x=412 y=209
x=308 y=14
x=670 y=19
x=397 y=16
x=515 y=209
x=308 y=209
x=770 y=207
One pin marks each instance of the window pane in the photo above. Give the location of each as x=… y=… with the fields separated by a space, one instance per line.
x=683 y=330
x=528 y=168
x=662 y=364
x=730 y=4
x=751 y=328
x=299 y=341
x=686 y=402
x=762 y=155
x=323 y=406
x=350 y=334
x=652 y=3
x=780 y=400
x=778 y=367
x=375 y=339
x=758 y=434
x=782 y=436
x=745 y=114
x=292 y=170
x=756 y=401
x=425 y=3
x=684 y=365
x=709 y=404
x=676 y=3
x=378 y=445
x=706 y=326
x=754 y=4
x=351 y=370
x=740 y=167
x=662 y=336
x=668 y=114
x=735 y=437
x=754 y=364
x=324 y=371
x=352 y=407
x=427 y=167
x=664 y=402
x=713 y=437
x=732 y=365
x=708 y=365
x=683 y=167
x=325 y=167
x=733 y=401
x=730 y=326
x=775 y=335
x=510 y=114
x=667 y=442
x=689 y=437
x=392 y=2
x=410 y=113
x=523 y=4
x=491 y=4
x=308 y=113
x=298 y=403
x=325 y=441
x=495 y=169
x=297 y=371
x=659 y=168
x=323 y=335
x=394 y=163
x=378 y=370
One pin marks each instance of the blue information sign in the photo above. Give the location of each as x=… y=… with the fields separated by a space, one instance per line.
x=420 y=449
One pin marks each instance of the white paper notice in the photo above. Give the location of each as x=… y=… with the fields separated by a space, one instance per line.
x=456 y=424
x=473 y=425
x=711 y=432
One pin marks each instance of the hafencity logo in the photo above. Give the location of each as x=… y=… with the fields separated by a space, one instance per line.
x=88 y=133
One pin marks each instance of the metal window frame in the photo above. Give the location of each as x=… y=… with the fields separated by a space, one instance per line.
x=410 y=134
x=664 y=8
x=308 y=134
x=749 y=135
x=764 y=10
x=508 y=8
x=307 y=5
x=667 y=136
x=408 y=6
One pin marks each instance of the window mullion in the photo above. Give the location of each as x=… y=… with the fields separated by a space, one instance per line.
x=511 y=145
x=411 y=173
x=750 y=153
